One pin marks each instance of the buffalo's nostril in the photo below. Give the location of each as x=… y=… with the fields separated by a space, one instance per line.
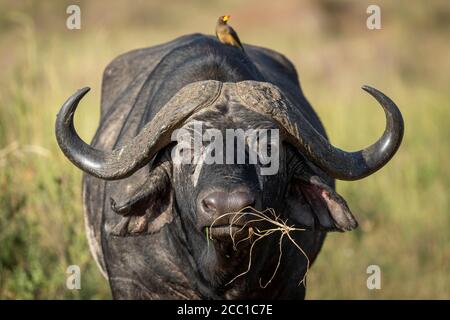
x=239 y=200
x=224 y=202
x=210 y=203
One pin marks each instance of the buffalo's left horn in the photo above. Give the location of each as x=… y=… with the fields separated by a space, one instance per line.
x=127 y=159
x=269 y=100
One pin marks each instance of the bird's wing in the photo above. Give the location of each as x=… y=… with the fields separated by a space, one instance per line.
x=236 y=38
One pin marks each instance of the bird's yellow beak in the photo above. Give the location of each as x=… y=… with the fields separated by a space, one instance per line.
x=225 y=18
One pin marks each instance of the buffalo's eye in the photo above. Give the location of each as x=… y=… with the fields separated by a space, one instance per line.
x=267 y=152
x=183 y=151
x=183 y=154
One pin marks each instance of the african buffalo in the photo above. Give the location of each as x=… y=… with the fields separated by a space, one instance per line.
x=148 y=218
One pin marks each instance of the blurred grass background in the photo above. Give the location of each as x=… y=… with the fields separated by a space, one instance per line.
x=403 y=209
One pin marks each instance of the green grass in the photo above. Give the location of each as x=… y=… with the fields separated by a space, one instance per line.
x=403 y=209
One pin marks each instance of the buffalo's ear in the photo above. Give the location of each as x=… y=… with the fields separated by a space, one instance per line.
x=147 y=206
x=316 y=206
x=148 y=221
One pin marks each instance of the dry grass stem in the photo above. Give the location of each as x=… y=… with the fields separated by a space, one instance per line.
x=256 y=233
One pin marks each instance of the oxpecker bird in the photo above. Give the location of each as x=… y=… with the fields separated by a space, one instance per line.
x=226 y=34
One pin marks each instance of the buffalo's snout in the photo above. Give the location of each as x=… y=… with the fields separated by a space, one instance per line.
x=224 y=211
x=220 y=202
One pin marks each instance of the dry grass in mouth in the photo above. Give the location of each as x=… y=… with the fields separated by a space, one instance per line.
x=255 y=234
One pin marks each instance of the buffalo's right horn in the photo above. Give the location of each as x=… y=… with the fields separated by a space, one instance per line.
x=127 y=159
